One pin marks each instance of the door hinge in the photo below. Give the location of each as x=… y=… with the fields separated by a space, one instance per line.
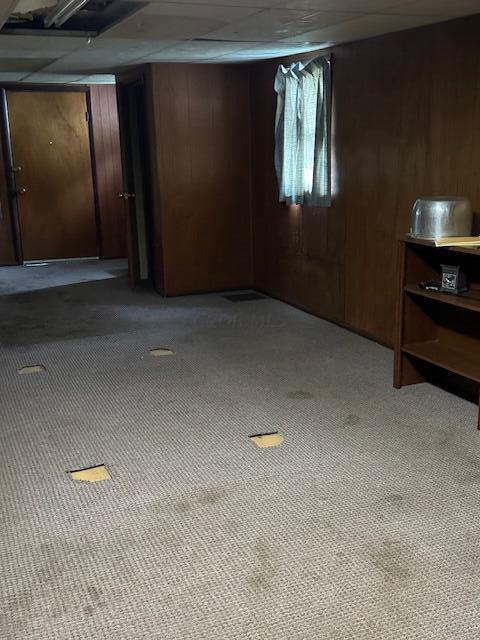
x=87 y=116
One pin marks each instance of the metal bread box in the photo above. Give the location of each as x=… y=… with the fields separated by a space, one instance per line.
x=441 y=217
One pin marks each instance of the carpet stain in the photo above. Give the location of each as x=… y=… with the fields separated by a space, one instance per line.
x=94 y=592
x=265 y=569
x=446 y=440
x=211 y=496
x=300 y=394
x=391 y=558
x=204 y=498
x=351 y=420
x=183 y=505
x=47 y=591
x=46 y=575
x=394 y=498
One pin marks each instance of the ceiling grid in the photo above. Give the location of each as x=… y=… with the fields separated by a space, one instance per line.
x=222 y=31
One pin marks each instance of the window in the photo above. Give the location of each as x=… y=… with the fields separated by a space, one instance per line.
x=302 y=133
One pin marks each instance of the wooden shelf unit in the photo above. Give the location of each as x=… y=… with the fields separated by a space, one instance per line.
x=437 y=331
x=468 y=300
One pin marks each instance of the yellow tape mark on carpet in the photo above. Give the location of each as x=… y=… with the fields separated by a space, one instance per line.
x=161 y=351
x=32 y=368
x=267 y=439
x=92 y=474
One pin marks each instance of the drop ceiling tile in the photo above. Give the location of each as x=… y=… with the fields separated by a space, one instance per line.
x=355 y=6
x=70 y=64
x=224 y=3
x=275 y=49
x=10 y=76
x=14 y=46
x=267 y=52
x=106 y=56
x=444 y=8
x=26 y=65
x=26 y=6
x=275 y=24
x=218 y=12
x=131 y=50
x=196 y=50
x=150 y=26
x=171 y=55
x=52 y=78
x=367 y=26
x=7 y=7
x=107 y=42
x=97 y=79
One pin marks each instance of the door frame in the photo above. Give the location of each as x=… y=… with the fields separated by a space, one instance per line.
x=122 y=84
x=8 y=153
x=125 y=81
x=10 y=179
x=143 y=75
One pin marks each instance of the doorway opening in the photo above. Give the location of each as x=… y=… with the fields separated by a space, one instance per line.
x=137 y=187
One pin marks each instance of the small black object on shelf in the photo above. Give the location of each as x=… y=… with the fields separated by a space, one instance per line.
x=430 y=285
x=454 y=279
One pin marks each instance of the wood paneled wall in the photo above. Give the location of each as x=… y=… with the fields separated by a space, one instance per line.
x=111 y=210
x=202 y=142
x=406 y=123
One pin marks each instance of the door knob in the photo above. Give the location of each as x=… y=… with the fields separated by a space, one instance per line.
x=17 y=169
x=21 y=191
x=126 y=196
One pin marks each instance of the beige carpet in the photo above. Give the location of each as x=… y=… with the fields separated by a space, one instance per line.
x=362 y=525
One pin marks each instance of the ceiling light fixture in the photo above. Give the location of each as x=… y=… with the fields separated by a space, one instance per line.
x=64 y=10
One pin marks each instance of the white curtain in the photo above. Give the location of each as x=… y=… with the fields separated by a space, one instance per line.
x=302 y=133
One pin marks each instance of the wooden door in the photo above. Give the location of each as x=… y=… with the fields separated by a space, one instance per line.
x=112 y=210
x=53 y=174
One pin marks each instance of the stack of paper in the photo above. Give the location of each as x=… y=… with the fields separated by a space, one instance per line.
x=466 y=241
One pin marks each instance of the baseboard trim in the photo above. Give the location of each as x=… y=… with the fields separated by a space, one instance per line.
x=33 y=263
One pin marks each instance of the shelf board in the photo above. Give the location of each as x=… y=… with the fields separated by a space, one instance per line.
x=430 y=243
x=461 y=362
x=469 y=300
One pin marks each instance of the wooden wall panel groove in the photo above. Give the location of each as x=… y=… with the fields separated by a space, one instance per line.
x=406 y=123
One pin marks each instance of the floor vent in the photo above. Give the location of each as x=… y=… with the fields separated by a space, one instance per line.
x=244 y=297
